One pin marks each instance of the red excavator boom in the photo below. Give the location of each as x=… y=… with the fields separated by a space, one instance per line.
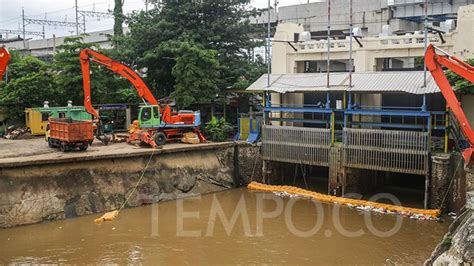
x=119 y=68
x=4 y=58
x=435 y=63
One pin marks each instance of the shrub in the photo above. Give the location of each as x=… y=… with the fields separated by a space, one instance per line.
x=218 y=129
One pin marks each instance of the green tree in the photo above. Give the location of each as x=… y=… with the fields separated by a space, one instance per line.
x=460 y=84
x=106 y=87
x=29 y=85
x=216 y=27
x=192 y=84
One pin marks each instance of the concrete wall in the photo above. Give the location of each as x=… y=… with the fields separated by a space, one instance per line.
x=43 y=47
x=36 y=193
x=313 y=16
x=369 y=15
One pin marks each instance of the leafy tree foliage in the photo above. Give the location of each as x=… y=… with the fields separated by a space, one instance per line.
x=460 y=84
x=106 y=87
x=29 y=85
x=32 y=81
x=196 y=30
x=118 y=17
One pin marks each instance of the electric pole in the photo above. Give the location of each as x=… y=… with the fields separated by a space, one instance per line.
x=77 y=18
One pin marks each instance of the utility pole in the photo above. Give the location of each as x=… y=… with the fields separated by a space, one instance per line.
x=77 y=18
x=329 y=45
x=24 y=29
x=351 y=35
x=426 y=41
x=45 y=17
x=268 y=53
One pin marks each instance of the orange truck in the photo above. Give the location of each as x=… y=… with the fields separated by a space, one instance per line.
x=67 y=134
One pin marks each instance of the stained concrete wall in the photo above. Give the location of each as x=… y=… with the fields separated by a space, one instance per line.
x=35 y=193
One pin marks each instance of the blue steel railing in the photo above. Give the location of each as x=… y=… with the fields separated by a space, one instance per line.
x=431 y=120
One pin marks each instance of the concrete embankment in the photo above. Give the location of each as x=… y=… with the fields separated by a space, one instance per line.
x=33 y=190
x=457 y=246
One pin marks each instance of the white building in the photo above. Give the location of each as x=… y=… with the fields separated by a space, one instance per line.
x=381 y=53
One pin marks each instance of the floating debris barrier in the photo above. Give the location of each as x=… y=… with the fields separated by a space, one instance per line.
x=363 y=205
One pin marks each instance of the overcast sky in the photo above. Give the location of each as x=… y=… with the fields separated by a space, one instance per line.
x=10 y=12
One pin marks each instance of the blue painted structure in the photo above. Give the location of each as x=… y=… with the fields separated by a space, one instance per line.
x=432 y=120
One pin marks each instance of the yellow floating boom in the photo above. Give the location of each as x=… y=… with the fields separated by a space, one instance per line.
x=345 y=201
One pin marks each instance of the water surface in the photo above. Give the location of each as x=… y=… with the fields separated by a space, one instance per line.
x=132 y=237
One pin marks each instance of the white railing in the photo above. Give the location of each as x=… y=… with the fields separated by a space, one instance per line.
x=389 y=42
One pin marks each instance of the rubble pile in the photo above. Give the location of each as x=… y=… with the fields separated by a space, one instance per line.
x=17 y=133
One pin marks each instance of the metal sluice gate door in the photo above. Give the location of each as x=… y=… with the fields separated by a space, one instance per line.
x=374 y=149
x=299 y=145
x=387 y=150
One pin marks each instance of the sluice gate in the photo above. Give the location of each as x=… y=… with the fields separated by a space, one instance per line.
x=373 y=149
x=386 y=150
x=310 y=146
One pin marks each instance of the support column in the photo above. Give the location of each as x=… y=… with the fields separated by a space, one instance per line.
x=128 y=117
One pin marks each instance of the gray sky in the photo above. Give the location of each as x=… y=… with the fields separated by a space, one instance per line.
x=10 y=12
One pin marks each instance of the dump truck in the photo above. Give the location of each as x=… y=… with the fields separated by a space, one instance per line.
x=68 y=134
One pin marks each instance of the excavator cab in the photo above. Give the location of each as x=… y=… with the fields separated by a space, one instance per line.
x=149 y=116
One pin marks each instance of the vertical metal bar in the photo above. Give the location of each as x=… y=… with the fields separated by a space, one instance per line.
x=333 y=123
x=426 y=41
x=268 y=59
x=446 y=135
x=427 y=183
x=423 y=107
x=77 y=18
x=351 y=35
x=329 y=45
x=24 y=27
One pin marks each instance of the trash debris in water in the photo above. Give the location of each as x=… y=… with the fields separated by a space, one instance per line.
x=452 y=215
x=363 y=205
x=285 y=194
x=107 y=217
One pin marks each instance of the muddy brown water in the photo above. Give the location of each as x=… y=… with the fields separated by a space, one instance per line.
x=152 y=234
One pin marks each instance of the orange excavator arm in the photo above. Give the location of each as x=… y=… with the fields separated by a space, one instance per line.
x=88 y=55
x=435 y=63
x=4 y=58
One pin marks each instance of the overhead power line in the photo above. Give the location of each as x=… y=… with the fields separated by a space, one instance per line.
x=95 y=14
x=31 y=33
x=47 y=22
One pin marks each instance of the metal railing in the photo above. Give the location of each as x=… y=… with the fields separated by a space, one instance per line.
x=375 y=43
x=309 y=146
x=386 y=150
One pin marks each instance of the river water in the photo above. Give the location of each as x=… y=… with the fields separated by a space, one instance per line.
x=267 y=229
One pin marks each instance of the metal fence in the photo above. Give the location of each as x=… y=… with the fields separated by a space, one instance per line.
x=386 y=150
x=309 y=146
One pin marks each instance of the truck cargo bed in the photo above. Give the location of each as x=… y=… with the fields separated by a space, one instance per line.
x=68 y=130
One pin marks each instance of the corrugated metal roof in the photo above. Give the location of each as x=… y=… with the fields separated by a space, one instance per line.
x=402 y=81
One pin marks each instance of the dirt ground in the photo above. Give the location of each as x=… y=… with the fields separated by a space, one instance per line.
x=25 y=151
